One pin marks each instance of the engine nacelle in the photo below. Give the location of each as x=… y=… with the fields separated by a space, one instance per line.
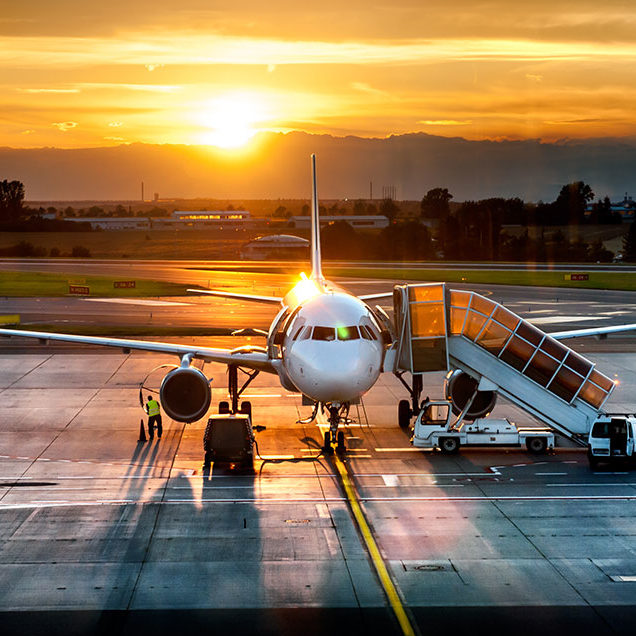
x=459 y=387
x=185 y=394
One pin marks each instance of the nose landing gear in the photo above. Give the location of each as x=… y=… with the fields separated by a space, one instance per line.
x=337 y=414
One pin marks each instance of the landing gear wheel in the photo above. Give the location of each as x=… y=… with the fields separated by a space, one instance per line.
x=537 y=445
x=246 y=408
x=327 y=447
x=341 y=448
x=404 y=414
x=224 y=407
x=449 y=445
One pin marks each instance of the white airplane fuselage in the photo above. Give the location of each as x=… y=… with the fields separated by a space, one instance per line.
x=332 y=350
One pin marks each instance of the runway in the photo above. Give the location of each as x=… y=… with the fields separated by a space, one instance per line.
x=550 y=308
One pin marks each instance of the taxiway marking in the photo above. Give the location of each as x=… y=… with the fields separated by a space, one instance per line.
x=136 y=301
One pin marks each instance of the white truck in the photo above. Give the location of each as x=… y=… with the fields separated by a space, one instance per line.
x=611 y=439
x=434 y=428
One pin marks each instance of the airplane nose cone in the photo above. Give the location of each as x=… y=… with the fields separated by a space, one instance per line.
x=335 y=374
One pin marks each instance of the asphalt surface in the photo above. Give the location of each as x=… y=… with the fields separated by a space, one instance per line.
x=550 y=308
x=102 y=534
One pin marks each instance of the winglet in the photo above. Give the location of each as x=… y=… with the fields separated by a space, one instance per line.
x=316 y=261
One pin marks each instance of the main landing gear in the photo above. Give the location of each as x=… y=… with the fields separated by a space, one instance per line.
x=235 y=392
x=337 y=415
x=407 y=410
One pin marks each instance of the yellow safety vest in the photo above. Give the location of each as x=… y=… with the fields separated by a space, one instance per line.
x=153 y=407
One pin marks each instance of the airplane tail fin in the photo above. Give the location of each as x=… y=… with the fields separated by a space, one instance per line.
x=316 y=260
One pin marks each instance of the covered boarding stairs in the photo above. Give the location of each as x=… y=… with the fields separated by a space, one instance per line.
x=443 y=329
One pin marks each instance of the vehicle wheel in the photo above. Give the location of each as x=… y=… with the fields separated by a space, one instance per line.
x=593 y=461
x=327 y=448
x=341 y=448
x=404 y=414
x=537 y=445
x=246 y=408
x=449 y=445
x=224 y=407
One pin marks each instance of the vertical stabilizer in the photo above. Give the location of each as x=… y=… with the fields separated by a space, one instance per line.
x=316 y=261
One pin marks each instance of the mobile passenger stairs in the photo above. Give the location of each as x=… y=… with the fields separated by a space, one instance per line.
x=488 y=350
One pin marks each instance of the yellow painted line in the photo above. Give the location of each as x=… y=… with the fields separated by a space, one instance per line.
x=378 y=563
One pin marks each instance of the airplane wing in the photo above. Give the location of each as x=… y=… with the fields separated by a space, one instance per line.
x=250 y=357
x=594 y=331
x=238 y=296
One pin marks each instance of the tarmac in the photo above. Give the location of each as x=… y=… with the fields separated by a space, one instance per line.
x=102 y=534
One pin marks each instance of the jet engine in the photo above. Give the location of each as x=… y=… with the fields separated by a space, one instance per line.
x=459 y=387
x=185 y=394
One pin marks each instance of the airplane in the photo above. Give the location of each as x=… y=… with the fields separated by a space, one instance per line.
x=324 y=342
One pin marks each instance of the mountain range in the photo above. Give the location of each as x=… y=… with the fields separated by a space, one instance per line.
x=277 y=166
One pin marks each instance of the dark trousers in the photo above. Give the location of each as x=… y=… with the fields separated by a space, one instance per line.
x=154 y=420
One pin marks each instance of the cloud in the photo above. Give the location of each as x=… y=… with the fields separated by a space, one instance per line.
x=27 y=132
x=65 y=125
x=152 y=67
x=48 y=90
x=445 y=122
x=365 y=88
x=115 y=124
x=150 y=88
x=534 y=78
x=197 y=49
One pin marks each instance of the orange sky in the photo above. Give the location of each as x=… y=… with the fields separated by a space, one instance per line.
x=197 y=71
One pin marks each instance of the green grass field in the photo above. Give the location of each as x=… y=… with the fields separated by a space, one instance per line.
x=40 y=284
x=597 y=280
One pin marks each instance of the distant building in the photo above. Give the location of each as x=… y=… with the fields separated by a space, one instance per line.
x=626 y=208
x=279 y=246
x=112 y=222
x=369 y=221
x=211 y=216
x=180 y=219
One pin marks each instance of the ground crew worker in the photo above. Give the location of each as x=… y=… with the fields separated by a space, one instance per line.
x=154 y=417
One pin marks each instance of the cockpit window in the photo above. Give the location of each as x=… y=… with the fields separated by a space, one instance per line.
x=348 y=333
x=324 y=333
x=368 y=333
x=306 y=334
x=295 y=336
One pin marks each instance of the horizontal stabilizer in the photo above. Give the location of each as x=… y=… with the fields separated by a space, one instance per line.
x=237 y=296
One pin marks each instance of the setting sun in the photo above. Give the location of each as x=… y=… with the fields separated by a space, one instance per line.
x=231 y=119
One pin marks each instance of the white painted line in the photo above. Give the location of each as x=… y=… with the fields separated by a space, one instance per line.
x=265 y=500
x=260 y=395
x=206 y=487
x=278 y=457
x=623 y=579
x=586 y=485
x=435 y=485
x=561 y=319
x=136 y=301
x=408 y=449
x=391 y=481
x=552 y=474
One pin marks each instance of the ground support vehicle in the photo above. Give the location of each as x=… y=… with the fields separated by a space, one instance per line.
x=229 y=441
x=611 y=439
x=435 y=428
